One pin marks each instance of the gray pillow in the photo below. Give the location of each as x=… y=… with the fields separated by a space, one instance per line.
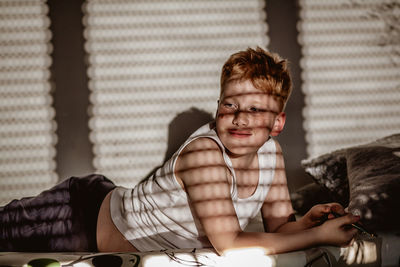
x=374 y=182
x=330 y=172
x=366 y=178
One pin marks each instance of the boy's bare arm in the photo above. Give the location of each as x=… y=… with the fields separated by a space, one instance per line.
x=277 y=209
x=206 y=180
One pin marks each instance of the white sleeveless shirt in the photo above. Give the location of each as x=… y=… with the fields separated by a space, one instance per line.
x=155 y=214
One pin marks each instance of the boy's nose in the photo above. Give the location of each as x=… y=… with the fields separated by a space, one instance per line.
x=240 y=119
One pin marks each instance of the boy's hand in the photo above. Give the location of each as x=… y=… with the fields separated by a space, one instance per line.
x=338 y=231
x=318 y=214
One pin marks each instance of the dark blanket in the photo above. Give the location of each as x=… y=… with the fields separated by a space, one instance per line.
x=63 y=218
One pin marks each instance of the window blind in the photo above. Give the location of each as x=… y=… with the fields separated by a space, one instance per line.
x=27 y=132
x=351 y=73
x=151 y=61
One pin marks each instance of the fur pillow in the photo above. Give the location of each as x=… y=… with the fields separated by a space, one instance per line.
x=330 y=172
x=365 y=178
x=374 y=181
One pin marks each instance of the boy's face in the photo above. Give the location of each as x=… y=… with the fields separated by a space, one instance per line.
x=246 y=117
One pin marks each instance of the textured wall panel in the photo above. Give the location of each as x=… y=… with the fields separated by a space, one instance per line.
x=27 y=127
x=351 y=73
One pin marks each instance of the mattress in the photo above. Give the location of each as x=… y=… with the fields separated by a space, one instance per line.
x=381 y=251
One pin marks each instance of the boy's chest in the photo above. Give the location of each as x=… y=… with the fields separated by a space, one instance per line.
x=247 y=182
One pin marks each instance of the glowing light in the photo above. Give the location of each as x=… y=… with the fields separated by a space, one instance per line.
x=254 y=257
x=247 y=257
x=180 y=259
x=82 y=264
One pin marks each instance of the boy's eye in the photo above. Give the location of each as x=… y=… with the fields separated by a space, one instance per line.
x=254 y=109
x=229 y=105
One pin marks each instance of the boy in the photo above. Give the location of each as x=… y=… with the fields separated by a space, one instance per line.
x=227 y=171
x=205 y=195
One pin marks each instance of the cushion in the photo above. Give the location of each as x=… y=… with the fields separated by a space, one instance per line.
x=309 y=195
x=330 y=172
x=374 y=181
x=366 y=178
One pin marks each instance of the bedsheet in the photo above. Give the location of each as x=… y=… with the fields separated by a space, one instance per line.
x=381 y=251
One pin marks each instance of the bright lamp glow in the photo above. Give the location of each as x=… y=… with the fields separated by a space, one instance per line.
x=82 y=264
x=254 y=257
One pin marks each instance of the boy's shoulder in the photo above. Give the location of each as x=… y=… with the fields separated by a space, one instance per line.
x=201 y=150
x=201 y=153
x=201 y=144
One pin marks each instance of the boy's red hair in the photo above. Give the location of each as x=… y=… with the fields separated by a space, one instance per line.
x=267 y=71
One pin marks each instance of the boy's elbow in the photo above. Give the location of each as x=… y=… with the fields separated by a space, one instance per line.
x=224 y=244
x=220 y=251
x=233 y=243
x=222 y=248
x=223 y=251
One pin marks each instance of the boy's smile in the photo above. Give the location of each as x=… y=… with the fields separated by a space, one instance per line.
x=246 y=117
x=240 y=133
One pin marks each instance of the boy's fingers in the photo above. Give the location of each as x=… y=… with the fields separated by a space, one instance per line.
x=355 y=218
x=349 y=219
x=337 y=208
x=332 y=210
x=325 y=208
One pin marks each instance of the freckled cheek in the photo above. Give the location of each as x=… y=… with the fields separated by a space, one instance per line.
x=223 y=112
x=221 y=116
x=224 y=118
x=262 y=132
x=261 y=123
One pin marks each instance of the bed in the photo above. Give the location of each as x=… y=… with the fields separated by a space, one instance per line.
x=364 y=178
x=382 y=251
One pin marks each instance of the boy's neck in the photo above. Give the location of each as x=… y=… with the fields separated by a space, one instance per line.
x=248 y=161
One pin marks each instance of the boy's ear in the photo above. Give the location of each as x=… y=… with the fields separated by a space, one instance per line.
x=279 y=124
